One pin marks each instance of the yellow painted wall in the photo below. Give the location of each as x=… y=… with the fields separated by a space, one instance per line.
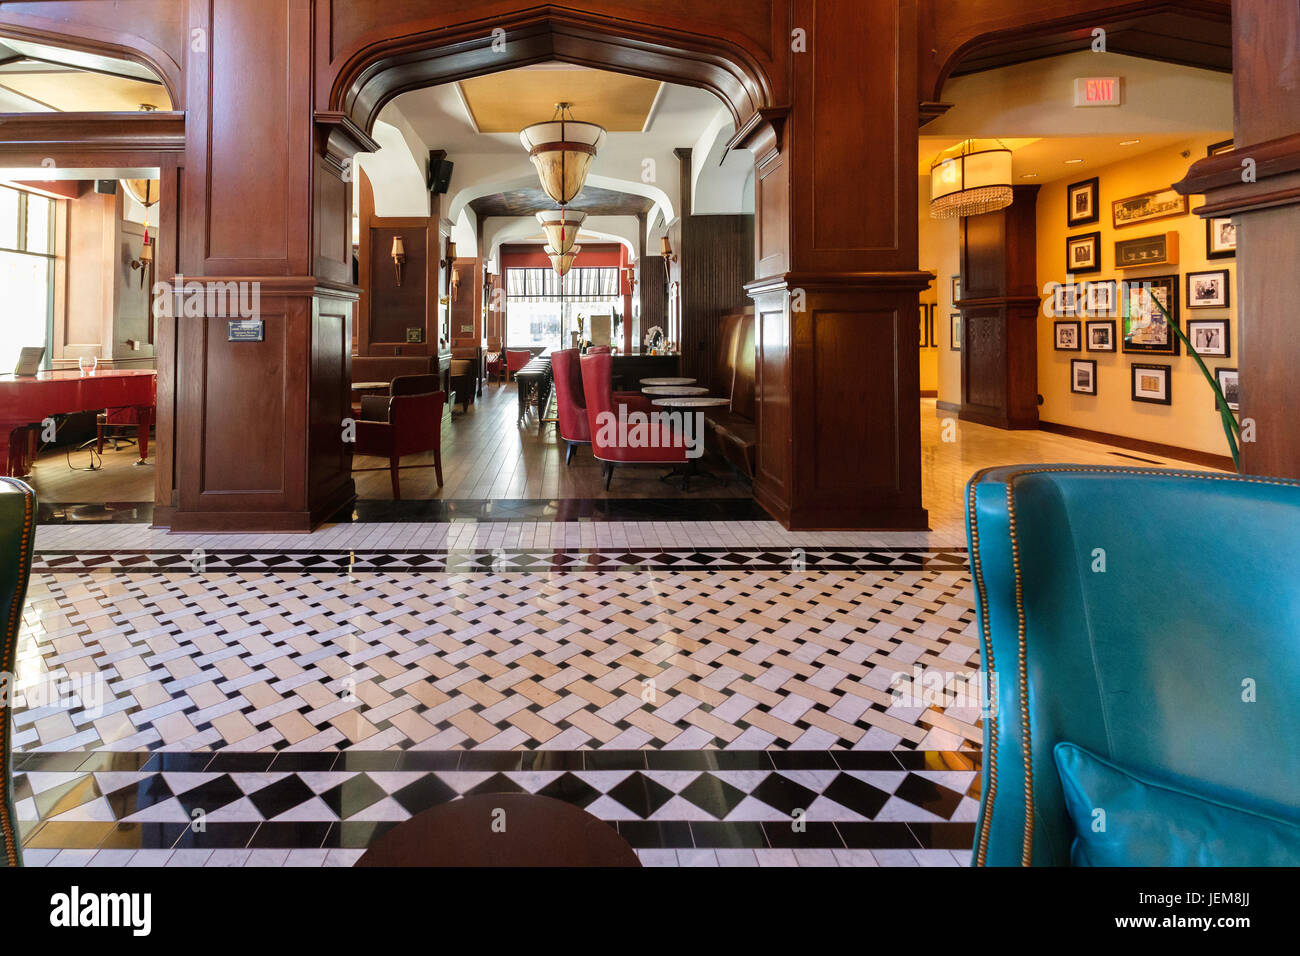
x=1191 y=421
x=940 y=248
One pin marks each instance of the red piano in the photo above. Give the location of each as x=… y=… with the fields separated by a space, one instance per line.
x=25 y=402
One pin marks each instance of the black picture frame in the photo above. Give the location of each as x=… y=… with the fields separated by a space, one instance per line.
x=954 y=332
x=1215 y=149
x=1225 y=334
x=1227 y=393
x=1091 y=238
x=1056 y=336
x=928 y=340
x=1075 y=365
x=1088 y=294
x=1213 y=249
x=1135 y=210
x=1090 y=188
x=1138 y=367
x=955 y=283
x=1065 y=299
x=1225 y=278
x=1109 y=325
x=1170 y=284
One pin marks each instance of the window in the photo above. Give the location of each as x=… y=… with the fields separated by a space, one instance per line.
x=26 y=273
x=542 y=308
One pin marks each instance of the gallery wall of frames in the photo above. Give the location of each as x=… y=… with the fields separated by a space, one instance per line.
x=1110 y=243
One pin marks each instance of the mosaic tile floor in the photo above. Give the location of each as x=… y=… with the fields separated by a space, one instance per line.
x=693 y=687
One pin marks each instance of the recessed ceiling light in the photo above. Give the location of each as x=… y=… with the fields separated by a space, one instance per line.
x=1073 y=162
x=1130 y=142
x=1029 y=175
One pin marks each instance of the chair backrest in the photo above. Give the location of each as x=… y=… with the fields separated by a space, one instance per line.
x=414 y=384
x=570 y=400
x=1136 y=607
x=517 y=359
x=596 y=373
x=17 y=537
x=416 y=421
x=723 y=370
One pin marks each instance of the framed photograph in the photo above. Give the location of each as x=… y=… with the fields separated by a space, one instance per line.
x=1099 y=298
x=1161 y=250
x=1209 y=336
x=1066 y=336
x=1230 y=385
x=927 y=326
x=954 y=332
x=1214 y=149
x=1208 y=290
x=956 y=289
x=1147 y=207
x=1083 y=376
x=1151 y=384
x=1220 y=239
x=1100 y=336
x=1082 y=203
x=1083 y=253
x=1145 y=327
x=1065 y=300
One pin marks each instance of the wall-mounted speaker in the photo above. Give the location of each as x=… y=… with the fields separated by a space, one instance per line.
x=107 y=187
x=439 y=174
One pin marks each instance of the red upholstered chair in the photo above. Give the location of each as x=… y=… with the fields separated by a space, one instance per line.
x=571 y=400
x=409 y=424
x=515 y=360
x=657 y=444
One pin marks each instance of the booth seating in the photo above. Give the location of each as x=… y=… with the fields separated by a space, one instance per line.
x=732 y=431
x=463 y=381
x=17 y=537
x=407 y=421
x=1141 y=626
x=571 y=400
x=476 y=355
x=385 y=368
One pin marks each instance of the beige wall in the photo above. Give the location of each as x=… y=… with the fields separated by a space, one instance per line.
x=939 y=241
x=1191 y=421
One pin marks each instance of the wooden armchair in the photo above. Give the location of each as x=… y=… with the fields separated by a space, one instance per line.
x=409 y=423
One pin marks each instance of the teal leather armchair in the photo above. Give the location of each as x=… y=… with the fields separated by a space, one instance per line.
x=17 y=536
x=1151 y=618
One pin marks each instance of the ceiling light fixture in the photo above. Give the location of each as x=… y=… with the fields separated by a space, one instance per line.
x=561 y=227
x=562 y=262
x=1130 y=142
x=970 y=179
x=1029 y=175
x=1073 y=162
x=562 y=150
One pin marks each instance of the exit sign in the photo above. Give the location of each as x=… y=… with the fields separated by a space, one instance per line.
x=1097 y=91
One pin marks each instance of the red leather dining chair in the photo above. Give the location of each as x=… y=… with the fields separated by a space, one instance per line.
x=515 y=360
x=656 y=444
x=571 y=400
x=410 y=422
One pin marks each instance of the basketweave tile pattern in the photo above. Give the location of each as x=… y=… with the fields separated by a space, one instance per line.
x=436 y=661
x=893 y=806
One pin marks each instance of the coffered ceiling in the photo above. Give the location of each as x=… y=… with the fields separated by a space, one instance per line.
x=507 y=102
x=593 y=200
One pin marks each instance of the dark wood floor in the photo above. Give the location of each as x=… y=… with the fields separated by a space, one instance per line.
x=485 y=454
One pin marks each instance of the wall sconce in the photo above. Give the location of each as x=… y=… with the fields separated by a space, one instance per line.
x=666 y=250
x=452 y=281
x=399 y=256
x=145 y=262
x=630 y=273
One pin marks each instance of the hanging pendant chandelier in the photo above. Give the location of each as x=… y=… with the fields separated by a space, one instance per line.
x=562 y=150
x=561 y=228
x=562 y=262
x=970 y=179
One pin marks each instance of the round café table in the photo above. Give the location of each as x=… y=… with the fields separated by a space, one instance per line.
x=501 y=829
x=674 y=390
x=668 y=381
x=692 y=469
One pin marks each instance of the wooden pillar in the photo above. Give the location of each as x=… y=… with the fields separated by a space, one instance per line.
x=264 y=216
x=1257 y=185
x=999 y=309
x=836 y=296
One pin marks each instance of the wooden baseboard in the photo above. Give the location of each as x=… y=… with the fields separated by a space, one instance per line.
x=1222 y=462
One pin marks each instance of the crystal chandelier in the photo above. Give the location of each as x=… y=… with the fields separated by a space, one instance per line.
x=970 y=179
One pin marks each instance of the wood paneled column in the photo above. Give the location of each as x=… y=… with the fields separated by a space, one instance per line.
x=999 y=309
x=836 y=295
x=1257 y=184
x=266 y=199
